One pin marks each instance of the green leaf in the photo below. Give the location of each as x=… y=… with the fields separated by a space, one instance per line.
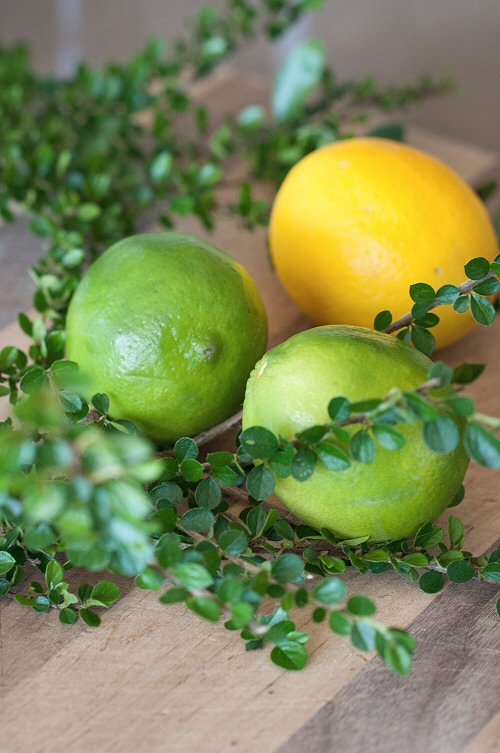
x=7 y=562
x=281 y=461
x=251 y=117
x=447 y=294
x=167 y=492
x=313 y=435
x=362 y=447
x=230 y=589
x=88 y=212
x=74 y=405
x=204 y=607
x=233 y=541
x=168 y=549
x=149 y=579
x=34 y=379
x=287 y=568
x=160 y=167
x=330 y=591
x=461 y=404
x=361 y=606
x=398 y=658
x=456 y=532
x=488 y=287
x=186 y=449
x=392 y=131
x=68 y=616
x=421 y=292
x=487 y=190
x=258 y=443
x=208 y=493
x=462 y=304
x=467 y=373
x=428 y=537
x=54 y=573
x=441 y=435
x=339 y=623
x=388 y=437
x=100 y=401
x=451 y=555
x=431 y=582
x=363 y=635
x=278 y=631
x=423 y=340
x=339 y=409
x=198 y=520
x=416 y=559
x=332 y=456
x=477 y=268
x=459 y=496
x=192 y=576
x=260 y=482
x=106 y=592
x=174 y=596
x=220 y=459
x=290 y=655
x=482 y=445
x=482 y=310
x=319 y=614
x=90 y=618
x=297 y=78
x=492 y=572
x=460 y=571
x=376 y=555
x=382 y=320
x=73 y=258
x=191 y=470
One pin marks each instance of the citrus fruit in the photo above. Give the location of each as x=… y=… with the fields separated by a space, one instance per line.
x=289 y=391
x=170 y=328
x=357 y=222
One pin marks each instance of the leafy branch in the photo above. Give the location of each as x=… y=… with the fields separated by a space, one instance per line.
x=414 y=327
x=183 y=538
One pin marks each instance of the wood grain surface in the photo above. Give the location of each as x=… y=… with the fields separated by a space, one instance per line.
x=155 y=679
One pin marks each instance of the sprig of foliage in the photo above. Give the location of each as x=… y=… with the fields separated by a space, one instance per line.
x=414 y=327
x=190 y=538
x=74 y=489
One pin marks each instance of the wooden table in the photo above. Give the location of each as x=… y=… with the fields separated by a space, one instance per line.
x=155 y=679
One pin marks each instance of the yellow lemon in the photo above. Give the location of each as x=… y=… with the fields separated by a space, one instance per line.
x=357 y=222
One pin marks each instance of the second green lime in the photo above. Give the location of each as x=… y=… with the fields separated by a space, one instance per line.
x=169 y=327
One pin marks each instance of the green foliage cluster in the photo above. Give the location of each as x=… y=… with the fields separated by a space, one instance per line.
x=86 y=158
x=414 y=328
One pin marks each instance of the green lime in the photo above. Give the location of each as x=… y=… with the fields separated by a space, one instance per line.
x=290 y=389
x=170 y=328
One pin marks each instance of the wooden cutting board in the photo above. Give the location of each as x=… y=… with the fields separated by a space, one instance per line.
x=156 y=679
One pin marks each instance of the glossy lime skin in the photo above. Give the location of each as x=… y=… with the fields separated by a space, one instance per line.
x=289 y=390
x=170 y=328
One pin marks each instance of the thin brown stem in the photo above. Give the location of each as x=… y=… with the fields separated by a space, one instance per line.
x=217 y=431
x=407 y=319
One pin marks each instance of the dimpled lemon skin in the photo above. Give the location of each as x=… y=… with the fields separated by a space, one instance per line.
x=170 y=328
x=289 y=390
x=356 y=223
